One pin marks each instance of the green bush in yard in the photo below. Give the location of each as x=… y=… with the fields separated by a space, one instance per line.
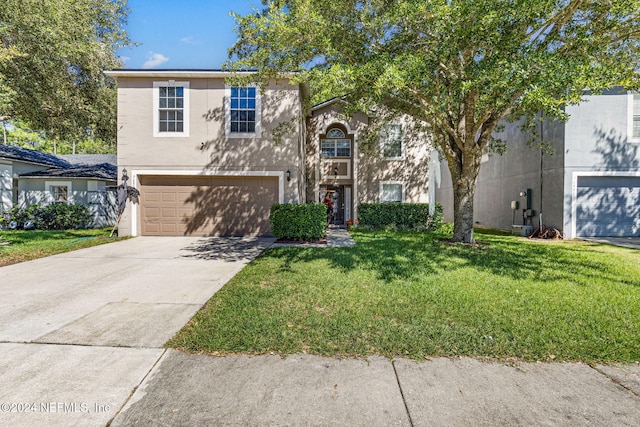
x=298 y=222
x=57 y=216
x=19 y=216
x=399 y=216
x=60 y=216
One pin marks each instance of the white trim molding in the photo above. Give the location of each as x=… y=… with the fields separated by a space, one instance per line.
x=156 y=110
x=135 y=174
x=630 y=114
x=328 y=160
x=574 y=192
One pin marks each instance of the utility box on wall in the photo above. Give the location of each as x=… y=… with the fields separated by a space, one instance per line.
x=522 y=230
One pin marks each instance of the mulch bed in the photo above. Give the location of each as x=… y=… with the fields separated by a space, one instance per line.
x=322 y=241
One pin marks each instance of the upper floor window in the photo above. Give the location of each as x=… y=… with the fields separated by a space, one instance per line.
x=392 y=142
x=634 y=117
x=171 y=108
x=243 y=112
x=336 y=144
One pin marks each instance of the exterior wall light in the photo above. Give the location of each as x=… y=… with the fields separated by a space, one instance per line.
x=288 y=175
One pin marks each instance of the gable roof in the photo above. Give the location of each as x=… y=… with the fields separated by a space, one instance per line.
x=326 y=103
x=103 y=171
x=31 y=156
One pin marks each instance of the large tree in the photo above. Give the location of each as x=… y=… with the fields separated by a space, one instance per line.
x=459 y=67
x=52 y=55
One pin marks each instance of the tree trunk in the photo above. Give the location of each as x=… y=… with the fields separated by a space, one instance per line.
x=463 y=192
x=464 y=168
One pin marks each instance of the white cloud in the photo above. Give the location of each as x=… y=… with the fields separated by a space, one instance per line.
x=190 y=40
x=124 y=59
x=154 y=59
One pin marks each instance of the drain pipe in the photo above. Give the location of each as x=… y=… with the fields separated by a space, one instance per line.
x=541 y=167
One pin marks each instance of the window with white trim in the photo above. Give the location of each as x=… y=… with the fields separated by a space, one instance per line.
x=336 y=144
x=171 y=109
x=243 y=112
x=59 y=191
x=392 y=142
x=391 y=192
x=634 y=117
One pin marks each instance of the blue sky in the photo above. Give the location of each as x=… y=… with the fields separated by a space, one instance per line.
x=182 y=34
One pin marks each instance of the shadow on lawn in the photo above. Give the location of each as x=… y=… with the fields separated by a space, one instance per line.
x=18 y=237
x=405 y=256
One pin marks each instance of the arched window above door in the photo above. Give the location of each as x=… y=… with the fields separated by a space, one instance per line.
x=335 y=144
x=335 y=133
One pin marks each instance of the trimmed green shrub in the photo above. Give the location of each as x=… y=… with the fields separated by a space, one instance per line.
x=399 y=216
x=19 y=216
x=60 y=216
x=306 y=222
x=57 y=216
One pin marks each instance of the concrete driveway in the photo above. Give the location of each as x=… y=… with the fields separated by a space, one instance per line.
x=80 y=331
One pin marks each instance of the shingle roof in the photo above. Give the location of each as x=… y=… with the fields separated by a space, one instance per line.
x=90 y=159
x=31 y=156
x=103 y=171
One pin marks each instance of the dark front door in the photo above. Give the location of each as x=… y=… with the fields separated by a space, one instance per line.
x=338 y=204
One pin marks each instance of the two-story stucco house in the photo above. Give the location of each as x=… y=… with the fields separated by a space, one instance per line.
x=210 y=158
x=589 y=186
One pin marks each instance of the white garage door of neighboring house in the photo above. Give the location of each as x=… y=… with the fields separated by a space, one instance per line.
x=206 y=205
x=608 y=206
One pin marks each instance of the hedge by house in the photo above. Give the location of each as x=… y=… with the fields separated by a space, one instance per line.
x=57 y=216
x=298 y=222
x=399 y=216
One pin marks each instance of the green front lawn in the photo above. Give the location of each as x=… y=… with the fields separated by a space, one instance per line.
x=19 y=245
x=412 y=295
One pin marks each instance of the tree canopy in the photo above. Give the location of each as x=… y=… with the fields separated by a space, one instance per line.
x=458 y=67
x=52 y=55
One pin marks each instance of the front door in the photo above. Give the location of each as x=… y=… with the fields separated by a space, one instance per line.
x=338 y=203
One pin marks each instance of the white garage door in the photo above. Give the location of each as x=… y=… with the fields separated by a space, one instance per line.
x=608 y=206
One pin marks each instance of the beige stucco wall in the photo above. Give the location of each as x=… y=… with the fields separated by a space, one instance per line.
x=370 y=168
x=207 y=150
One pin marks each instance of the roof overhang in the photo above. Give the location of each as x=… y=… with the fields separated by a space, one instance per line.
x=192 y=74
x=327 y=103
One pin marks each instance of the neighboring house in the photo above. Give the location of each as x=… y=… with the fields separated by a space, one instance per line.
x=210 y=158
x=392 y=169
x=589 y=187
x=30 y=177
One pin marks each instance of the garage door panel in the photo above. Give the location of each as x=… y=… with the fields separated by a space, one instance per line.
x=207 y=206
x=152 y=212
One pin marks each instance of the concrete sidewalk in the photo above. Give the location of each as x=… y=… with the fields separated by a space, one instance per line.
x=337 y=237
x=186 y=390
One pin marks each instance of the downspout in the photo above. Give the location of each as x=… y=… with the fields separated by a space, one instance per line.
x=541 y=168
